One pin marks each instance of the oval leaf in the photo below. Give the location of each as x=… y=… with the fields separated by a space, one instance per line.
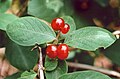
x=21 y=57
x=90 y=38
x=61 y=69
x=29 y=30
x=6 y=19
x=85 y=75
x=50 y=64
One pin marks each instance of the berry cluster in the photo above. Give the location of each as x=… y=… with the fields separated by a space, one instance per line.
x=59 y=24
x=60 y=51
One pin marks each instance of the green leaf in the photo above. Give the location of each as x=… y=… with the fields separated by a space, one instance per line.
x=28 y=75
x=4 y=5
x=14 y=76
x=85 y=75
x=45 y=9
x=69 y=20
x=6 y=19
x=54 y=5
x=29 y=30
x=90 y=38
x=67 y=9
x=113 y=52
x=61 y=69
x=21 y=57
x=82 y=20
x=50 y=64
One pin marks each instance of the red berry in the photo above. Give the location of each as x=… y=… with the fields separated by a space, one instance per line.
x=65 y=29
x=57 y=23
x=62 y=51
x=51 y=51
x=84 y=5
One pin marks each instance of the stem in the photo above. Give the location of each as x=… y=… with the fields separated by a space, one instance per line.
x=56 y=40
x=102 y=70
x=17 y=8
x=58 y=35
x=23 y=8
x=40 y=65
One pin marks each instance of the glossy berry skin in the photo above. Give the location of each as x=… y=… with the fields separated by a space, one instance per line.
x=51 y=51
x=57 y=23
x=62 y=51
x=65 y=29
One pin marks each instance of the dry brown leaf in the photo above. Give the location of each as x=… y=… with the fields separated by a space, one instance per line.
x=113 y=26
x=35 y=68
x=103 y=61
x=98 y=22
x=114 y=3
x=6 y=68
x=12 y=70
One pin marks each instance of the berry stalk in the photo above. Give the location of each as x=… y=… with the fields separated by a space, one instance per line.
x=56 y=40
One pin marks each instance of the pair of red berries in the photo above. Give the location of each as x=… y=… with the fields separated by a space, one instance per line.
x=59 y=24
x=60 y=51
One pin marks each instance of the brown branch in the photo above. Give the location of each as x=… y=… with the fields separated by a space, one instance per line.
x=17 y=8
x=40 y=65
x=23 y=8
x=102 y=70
